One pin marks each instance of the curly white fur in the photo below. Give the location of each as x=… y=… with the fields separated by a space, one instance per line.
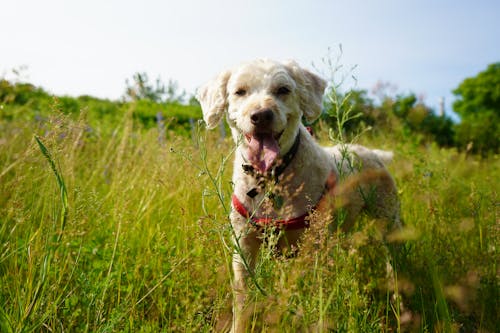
x=289 y=93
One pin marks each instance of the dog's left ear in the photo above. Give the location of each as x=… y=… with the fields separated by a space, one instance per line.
x=310 y=88
x=213 y=99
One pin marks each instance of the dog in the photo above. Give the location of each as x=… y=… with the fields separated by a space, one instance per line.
x=281 y=174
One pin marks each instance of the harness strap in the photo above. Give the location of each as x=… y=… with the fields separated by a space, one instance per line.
x=294 y=223
x=290 y=224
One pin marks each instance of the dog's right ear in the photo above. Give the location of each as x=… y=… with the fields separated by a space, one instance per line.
x=213 y=99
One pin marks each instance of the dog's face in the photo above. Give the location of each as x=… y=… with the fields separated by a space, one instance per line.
x=265 y=101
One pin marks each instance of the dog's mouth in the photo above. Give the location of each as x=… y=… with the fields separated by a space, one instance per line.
x=263 y=149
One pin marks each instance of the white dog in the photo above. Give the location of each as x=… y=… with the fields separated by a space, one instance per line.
x=280 y=173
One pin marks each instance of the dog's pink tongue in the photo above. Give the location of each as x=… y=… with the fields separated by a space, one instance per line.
x=262 y=151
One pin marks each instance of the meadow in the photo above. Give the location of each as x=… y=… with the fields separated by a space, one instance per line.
x=119 y=227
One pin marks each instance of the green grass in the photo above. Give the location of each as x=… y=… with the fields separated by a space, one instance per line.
x=109 y=231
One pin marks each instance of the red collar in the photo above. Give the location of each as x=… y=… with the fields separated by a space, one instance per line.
x=294 y=223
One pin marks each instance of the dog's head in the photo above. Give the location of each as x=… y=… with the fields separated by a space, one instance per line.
x=265 y=101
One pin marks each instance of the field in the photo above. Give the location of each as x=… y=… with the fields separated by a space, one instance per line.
x=106 y=228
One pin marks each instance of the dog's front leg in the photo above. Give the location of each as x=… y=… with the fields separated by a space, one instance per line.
x=246 y=248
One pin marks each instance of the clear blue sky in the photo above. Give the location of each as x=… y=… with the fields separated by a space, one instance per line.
x=79 y=47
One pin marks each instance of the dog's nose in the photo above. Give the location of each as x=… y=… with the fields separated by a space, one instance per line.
x=262 y=117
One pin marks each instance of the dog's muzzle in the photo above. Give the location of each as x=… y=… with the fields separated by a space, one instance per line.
x=263 y=147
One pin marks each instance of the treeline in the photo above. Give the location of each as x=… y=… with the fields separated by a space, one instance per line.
x=24 y=101
x=401 y=113
x=477 y=104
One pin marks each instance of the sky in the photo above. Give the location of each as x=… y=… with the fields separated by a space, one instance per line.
x=75 y=47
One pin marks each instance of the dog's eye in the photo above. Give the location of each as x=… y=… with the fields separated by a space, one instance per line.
x=240 y=92
x=282 y=91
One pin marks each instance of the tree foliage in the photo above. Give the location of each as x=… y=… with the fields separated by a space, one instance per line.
x=406 y=111
x=478 y=104
x=479 y=94
x=140 y=88
x=419 y=118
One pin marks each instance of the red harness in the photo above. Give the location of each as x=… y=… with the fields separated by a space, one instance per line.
x=294 y=223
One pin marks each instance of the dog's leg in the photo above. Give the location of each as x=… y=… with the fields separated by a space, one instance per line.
x=247 y=245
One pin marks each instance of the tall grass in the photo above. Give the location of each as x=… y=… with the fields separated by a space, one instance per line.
x=106 y=230
x=131 y=254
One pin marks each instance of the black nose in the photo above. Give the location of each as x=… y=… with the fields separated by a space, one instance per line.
x=262 y=117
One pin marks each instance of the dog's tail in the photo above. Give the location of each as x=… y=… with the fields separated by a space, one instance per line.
x=384 y=155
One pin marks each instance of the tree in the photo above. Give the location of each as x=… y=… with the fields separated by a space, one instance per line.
x=142 y=89
x=419 y=118
x=478 y=104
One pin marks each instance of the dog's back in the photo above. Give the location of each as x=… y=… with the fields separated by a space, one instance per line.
x=351 y=158
x=364 y=183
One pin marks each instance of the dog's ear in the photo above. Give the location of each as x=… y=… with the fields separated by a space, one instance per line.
x=213 y=99
x=310 y=88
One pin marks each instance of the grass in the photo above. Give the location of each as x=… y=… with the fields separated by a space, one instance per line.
x=110 y=231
